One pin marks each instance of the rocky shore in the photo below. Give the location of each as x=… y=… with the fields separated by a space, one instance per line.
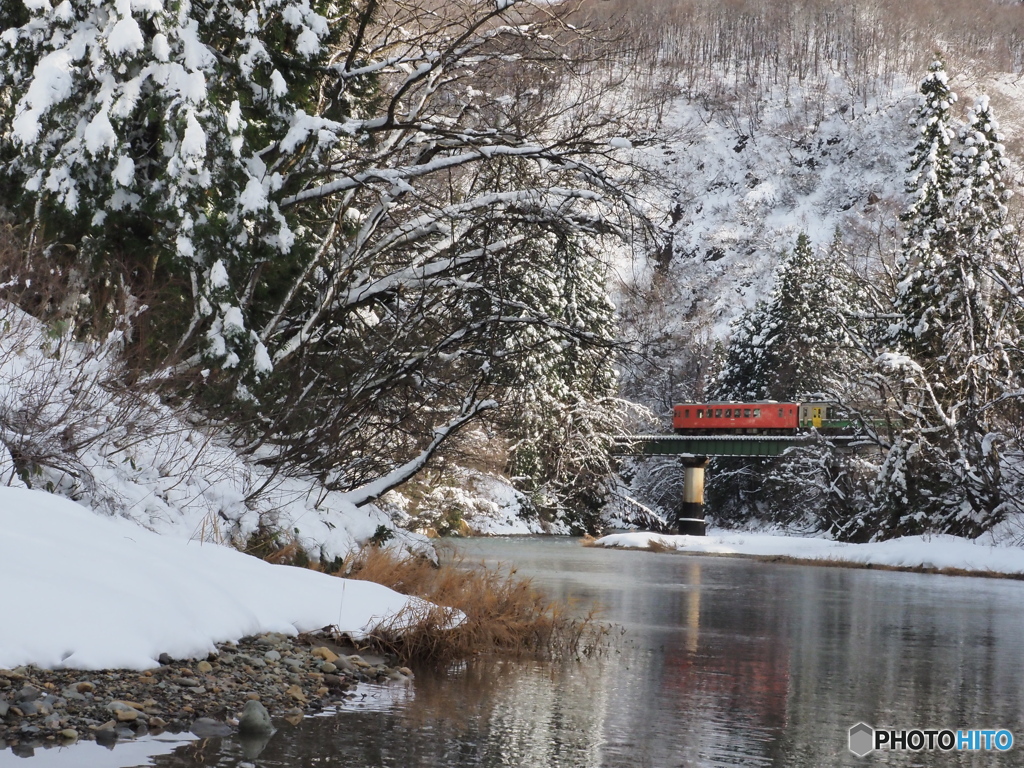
x=288 y=676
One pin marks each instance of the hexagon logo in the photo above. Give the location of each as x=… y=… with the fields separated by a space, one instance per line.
x=862 y=738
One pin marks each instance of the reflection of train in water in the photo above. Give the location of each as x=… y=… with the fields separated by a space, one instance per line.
x=762 y=418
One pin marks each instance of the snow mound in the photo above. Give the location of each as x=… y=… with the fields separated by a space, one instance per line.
x=93 y=592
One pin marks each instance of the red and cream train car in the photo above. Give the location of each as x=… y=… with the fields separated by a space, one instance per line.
x=736 y=418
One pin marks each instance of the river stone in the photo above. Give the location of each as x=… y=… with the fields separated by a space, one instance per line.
x=4 y=708
x=343 y=663
x=207 y=727
x=28 y=708
x=122 y=712
x=328 y=667
x=69 y=733
x=272 y=656
x=325 y=653
x=204 y=667
x=28 y=693
x=255 y=719
x=272 y=639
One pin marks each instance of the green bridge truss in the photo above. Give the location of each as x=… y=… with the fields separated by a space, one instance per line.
x=707 y=445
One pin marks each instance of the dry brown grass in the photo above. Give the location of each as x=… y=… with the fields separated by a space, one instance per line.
x=503 y=612
x=659 y=545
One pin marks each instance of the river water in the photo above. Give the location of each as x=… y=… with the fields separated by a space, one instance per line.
x=714 y=662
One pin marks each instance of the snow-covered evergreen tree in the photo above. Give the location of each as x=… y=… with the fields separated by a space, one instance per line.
x=950 y=363
x=561 y=412
x=794 y=345
x=159 y=132
x=808 y=348
x=745 y=375
x=796 y=342
x=932 y=184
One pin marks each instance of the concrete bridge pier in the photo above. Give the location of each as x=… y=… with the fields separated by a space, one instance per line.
x=690 y=515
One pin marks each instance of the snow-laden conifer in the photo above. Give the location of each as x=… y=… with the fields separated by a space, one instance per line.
x=796 y=342
x=951 y=365
x=745 y=376
x=932 y=185
x=561 y=409
x=794 y=346
x=156 y=125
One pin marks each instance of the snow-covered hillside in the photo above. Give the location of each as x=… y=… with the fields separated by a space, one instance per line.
x=740 y=190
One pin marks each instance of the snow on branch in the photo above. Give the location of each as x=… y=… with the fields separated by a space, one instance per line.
x=370 y=492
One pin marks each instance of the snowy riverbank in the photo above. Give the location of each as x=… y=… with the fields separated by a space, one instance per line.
x=936 y=552
x=88 y=591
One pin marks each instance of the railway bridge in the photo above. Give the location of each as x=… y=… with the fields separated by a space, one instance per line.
x=695 y=450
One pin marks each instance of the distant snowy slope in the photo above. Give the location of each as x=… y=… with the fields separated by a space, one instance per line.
x=742 y=186
x=91 y=592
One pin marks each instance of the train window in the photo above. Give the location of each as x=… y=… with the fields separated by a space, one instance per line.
x=718 y=413
x=686 y=413
x=746 y=413
x=757 y=413
x=781 y=412
x=700 y=413
x=728 y=413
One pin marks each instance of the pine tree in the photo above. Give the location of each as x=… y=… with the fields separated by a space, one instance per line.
x=978 y=341
x=981 y=198
x=159 y=132
x=807 y=349
x=796 y=342
x=932 y=184
x=949 y=363
x=561 y=412
x=745 y=375
x=793 y=345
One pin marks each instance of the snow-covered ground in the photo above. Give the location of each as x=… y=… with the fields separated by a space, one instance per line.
x=930 y=552
x=88 y=591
